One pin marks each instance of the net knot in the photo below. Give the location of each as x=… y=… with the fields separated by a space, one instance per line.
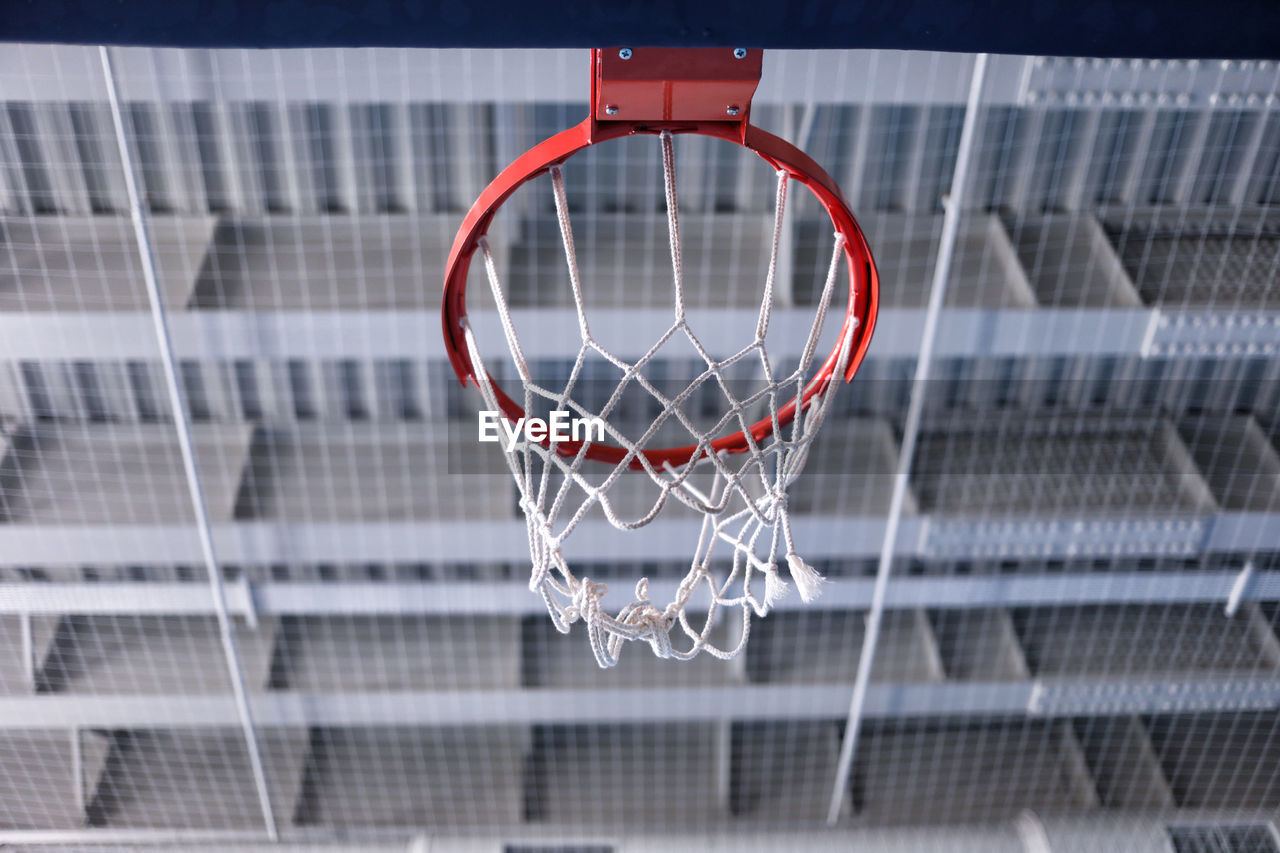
x=656 y=629
x=542 y=563
x=777 y=502
x=586 y=602
x=649 y=623
x=641 y=612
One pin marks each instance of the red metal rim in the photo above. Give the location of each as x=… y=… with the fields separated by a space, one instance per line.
x=864 y=282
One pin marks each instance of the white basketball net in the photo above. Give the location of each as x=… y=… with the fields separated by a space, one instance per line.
x=742 y=531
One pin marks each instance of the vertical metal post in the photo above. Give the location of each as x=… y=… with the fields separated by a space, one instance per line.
x=77 y=773
x=30 y=669
x=178 y=404
x=941 y=272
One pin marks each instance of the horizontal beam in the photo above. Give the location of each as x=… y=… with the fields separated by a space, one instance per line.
x=987 y=836
x=515 y=599
x=501 y=541
x=394 y=542
x=414 y=334
x=61 y=73
x=1153 y=697
x=65 y=73
x=1215 y=334
x=1128 y=83
x=105 y=835
x=1067 y=535
x=535 y=706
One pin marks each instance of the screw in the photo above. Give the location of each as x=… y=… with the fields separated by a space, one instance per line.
x=739 y=53
x=625 y=53
x=611 y=109
x=733 y=110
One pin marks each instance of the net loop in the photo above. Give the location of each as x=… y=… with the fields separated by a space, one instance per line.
x=746 y=526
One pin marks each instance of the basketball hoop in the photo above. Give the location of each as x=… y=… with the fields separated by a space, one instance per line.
x=667 y=92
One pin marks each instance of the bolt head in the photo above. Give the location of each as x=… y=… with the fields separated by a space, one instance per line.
x=611 y=109
x=625 y=53
x=733 y=110
x=739 y=53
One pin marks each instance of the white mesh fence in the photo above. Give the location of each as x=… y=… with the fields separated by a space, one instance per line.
x=1079 y=639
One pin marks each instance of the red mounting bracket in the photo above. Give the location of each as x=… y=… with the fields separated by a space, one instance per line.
x=674 y=84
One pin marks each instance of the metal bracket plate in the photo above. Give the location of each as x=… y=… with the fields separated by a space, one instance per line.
x=667 y=84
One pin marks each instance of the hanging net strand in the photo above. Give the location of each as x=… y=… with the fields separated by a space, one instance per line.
x=745 y=520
